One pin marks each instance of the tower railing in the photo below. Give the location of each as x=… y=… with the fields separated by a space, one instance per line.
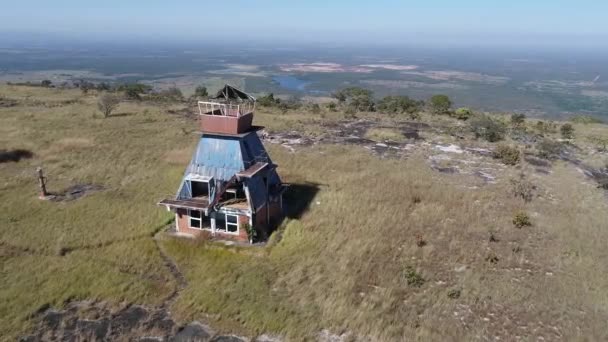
x=225 y=109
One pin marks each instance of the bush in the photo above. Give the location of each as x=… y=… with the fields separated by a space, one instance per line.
x=440 y=104
x=201 y=91
x=358 y=99
x=518 y=119
x=567 y=131
x=268 y=100
x=463 y=113
x=507 y=154
x=413 y=278
x=487 y=128
x=315 y=108
x=46 y=83
x=454 y=293
x=549 y=149
x=393 y=105
x=545 y=127
x=107 y=103
x=521 y=219
x=523 y=188
x=332 y=107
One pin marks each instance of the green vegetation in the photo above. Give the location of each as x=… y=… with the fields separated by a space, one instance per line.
x=549 y=149
x=463 y=113
x=107 y=103
x=393 y=105
x=521 y=219
x=567 y=131
x=518 y=120
x=201 y=91
x=357 y=99
x=507 y=154
x=440 y=104
x=485 y=127
x=352 y=261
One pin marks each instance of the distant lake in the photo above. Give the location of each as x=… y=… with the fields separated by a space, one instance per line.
x=290 y=82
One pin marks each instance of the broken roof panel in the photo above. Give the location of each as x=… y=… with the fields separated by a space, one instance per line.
x=230 y=93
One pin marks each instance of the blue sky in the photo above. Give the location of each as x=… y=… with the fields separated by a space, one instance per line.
x=508 y=21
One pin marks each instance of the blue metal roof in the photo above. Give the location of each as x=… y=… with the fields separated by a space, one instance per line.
x=221 y=157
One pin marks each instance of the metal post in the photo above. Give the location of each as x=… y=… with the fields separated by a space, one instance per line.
x=42 y=183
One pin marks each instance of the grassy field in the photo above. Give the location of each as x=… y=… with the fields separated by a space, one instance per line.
x=387 y=250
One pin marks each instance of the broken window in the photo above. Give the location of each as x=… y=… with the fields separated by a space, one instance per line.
x=227 y=223
x=195 y=218
x=198 y=220
x=200 y=189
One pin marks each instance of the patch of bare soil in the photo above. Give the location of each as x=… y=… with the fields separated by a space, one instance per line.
x=74 y=192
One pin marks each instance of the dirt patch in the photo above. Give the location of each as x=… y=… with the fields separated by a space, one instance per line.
x=14 y=155
x=74 y=192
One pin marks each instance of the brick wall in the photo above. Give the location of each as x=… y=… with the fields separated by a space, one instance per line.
x=183 y=225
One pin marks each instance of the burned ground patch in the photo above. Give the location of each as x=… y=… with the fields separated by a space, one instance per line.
x=75 y=192
x=14 y=155
x=97 y=321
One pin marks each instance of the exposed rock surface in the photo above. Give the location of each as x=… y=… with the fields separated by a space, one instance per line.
x=90 y=321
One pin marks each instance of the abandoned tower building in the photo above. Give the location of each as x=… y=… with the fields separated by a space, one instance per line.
x=230 y=189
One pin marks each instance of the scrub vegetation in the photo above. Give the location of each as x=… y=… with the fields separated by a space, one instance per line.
x=387 y=249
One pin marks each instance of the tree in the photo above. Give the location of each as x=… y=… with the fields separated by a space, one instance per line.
x=201 y=91
x=398 y=105
x=358 y=99
x=487 y=128
x=268 y=100
x=440 y=104
x=567 y=131
x=107 y=103
x=133 y=90
x=463 y=113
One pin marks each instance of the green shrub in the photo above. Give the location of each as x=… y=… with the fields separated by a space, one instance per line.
x=487 y=128
x=523 y=188
x=518 y=119
x=567 y=131
x=201 y=91
x=521 y=219
x=413 y=278
x=549 y=149
x=507 y=154
x=440 y=104
x=454 y=294
x=463 y=113
x=358 y=99
x=393 y=105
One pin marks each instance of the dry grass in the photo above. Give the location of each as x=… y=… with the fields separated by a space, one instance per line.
x=343 y=265
x=385 y=134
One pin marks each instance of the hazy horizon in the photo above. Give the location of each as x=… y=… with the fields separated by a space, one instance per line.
x=473 y=23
